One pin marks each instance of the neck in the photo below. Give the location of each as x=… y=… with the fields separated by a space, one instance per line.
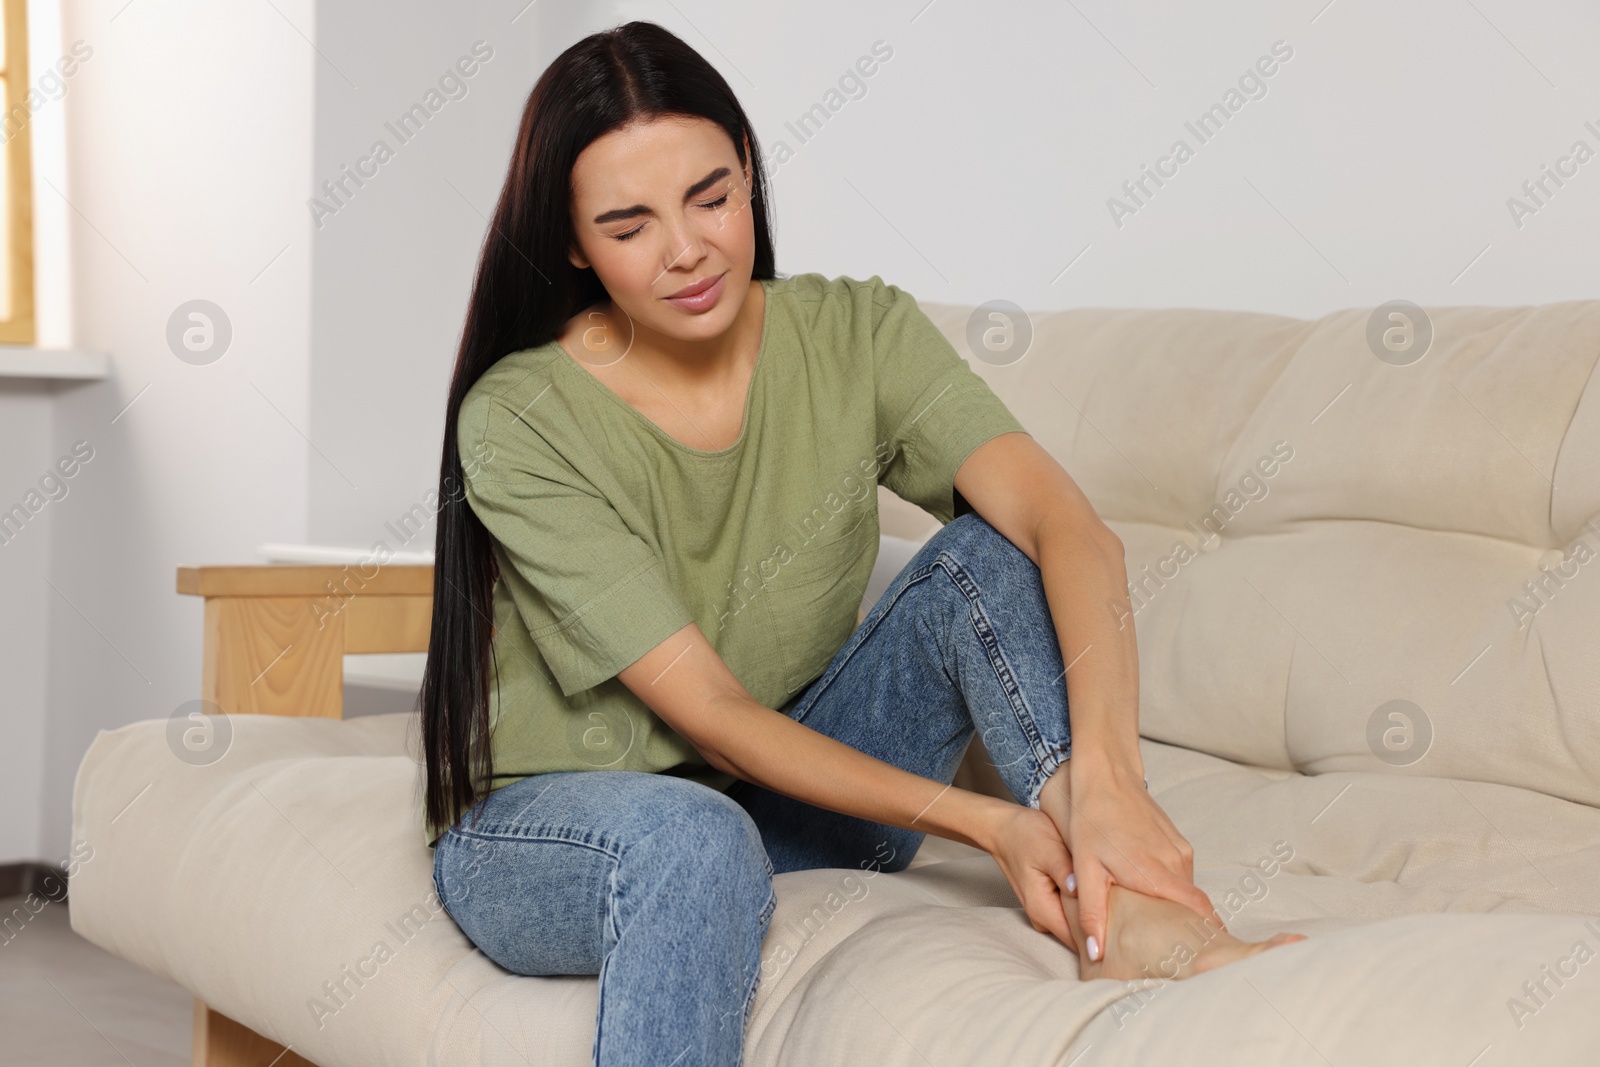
x=693 y=360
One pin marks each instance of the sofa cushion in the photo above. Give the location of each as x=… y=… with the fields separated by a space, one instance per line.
x=1341 y=564
x=291 y=867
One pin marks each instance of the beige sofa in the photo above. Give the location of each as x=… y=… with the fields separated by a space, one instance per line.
x=1370 y=698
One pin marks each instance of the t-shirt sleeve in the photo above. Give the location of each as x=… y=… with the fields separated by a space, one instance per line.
x=594 y=595
x=932 y=408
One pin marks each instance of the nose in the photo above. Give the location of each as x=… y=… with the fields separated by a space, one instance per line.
x=683 y=243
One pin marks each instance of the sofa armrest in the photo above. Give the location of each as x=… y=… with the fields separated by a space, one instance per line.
x=276 y=636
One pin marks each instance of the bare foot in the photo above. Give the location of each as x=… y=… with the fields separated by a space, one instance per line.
x=1156 y=938
x=1151 y=937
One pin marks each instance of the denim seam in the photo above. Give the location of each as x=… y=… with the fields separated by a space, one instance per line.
x=549 y=836
x=749 y=1005
x=1044 y=758
x=613 y=935
x=755 y=984
x=600 y=1000
x=613 y=897
x=1047 y=767
x=769 y=907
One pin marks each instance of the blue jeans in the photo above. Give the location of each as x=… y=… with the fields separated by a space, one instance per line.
x=663 y=886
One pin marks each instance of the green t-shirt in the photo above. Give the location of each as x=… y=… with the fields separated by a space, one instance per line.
x=611 y=535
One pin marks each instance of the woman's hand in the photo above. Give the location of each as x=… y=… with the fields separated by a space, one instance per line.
x=1116 y=832
x=1035 y=861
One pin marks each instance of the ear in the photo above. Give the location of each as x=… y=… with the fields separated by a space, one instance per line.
x=576 y=257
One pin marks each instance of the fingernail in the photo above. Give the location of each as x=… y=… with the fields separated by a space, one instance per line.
x=1094 y=948
x=1072 y=883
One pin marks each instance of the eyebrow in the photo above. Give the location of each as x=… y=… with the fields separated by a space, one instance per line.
x=622 y=213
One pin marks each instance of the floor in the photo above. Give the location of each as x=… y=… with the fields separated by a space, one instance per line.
x=66 y=1002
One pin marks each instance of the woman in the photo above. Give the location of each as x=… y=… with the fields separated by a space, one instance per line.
x=646 y=690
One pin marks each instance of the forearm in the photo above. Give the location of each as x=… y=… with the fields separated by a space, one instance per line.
x=771 y=750
x=1086 y=585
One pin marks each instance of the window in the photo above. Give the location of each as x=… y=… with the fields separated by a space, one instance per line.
x=16 y=179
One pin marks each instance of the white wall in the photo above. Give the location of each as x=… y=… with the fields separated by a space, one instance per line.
x=26 y=435
x=24 y=458
x=977 y=165
x=186 y=164
x=394 y=261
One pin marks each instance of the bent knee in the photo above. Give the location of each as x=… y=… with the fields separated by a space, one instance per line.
x=711 y=839
x=971 y=538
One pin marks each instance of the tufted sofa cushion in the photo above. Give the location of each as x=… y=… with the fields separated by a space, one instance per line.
x=1340 y=563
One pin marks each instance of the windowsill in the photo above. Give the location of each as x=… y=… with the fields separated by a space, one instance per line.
x=334 y=555
x=60 y=364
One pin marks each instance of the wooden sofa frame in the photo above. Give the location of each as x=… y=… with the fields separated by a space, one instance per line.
x=275 y=641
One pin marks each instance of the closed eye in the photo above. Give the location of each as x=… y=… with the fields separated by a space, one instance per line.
x=712 y=206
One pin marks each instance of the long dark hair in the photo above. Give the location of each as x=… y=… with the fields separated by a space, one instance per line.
x=524 y=292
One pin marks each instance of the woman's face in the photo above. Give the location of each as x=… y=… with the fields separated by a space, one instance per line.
x=659 y=207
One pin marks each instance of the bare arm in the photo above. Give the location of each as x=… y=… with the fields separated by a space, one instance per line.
x=1113 y=827
x=1022 y=491
x=687 y=684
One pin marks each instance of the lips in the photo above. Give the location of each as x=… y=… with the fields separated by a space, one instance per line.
x=695 y=289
